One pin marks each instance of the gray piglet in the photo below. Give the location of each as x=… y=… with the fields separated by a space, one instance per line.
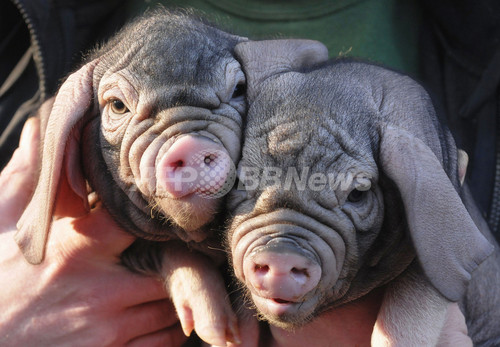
x=349 y=183
x=154 y=112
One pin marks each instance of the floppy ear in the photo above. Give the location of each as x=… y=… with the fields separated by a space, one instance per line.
x=448 y=244
x=60 y=145
x=262 y=59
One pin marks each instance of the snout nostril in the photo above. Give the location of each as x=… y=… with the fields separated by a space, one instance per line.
x=177 y=164
x=209 y=159
x=261 y=269
x=301 y=272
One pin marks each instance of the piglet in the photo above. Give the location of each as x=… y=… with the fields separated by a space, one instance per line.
x=350 y=188
x=152 y=123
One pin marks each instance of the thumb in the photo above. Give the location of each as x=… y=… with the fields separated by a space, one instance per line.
x=81 y=230
x=94 y=235
x=18 y=178
x=249 y=327
x=89 y=232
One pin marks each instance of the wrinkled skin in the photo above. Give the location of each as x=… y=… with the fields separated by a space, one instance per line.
x=374 y=205
x=154 y=120
x=164 y=88
x=160 y=79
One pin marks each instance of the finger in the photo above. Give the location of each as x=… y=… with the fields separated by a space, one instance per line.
x=140 y=288
x=107 y=236
x=17 y=179
x=248 y=328
x=113 y=284
x=95 y=236
x=171 y=337
x=149 y=317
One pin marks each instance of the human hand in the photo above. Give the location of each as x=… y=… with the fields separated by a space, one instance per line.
x=80 y=295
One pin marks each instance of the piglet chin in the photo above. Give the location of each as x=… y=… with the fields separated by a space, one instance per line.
x=190 y=213
x=285 y=314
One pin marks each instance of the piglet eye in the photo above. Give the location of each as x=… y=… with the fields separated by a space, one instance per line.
x=239 y=90
x=356 y=195
x=117 y=106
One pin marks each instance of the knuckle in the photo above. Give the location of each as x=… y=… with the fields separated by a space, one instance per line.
x=171 y=337
x=106 y=335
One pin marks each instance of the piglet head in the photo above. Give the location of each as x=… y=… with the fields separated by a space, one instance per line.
x=306 y=215
x=346 y=178
x=171 y=98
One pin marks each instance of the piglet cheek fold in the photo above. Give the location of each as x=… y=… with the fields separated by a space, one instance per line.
x=332 y=261
x=144 y=156
x=240 y=249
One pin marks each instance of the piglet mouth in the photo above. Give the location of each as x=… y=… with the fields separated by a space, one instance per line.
x=282 y=301
x=276 y=308
x=282 y=312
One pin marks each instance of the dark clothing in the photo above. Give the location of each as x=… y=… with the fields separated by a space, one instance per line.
x=40 y=42
x=460 y=64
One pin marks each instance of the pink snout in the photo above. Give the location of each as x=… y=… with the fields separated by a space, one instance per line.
x=194 y=164
x=281 y=276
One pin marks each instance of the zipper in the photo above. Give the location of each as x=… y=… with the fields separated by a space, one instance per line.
x=35 y=46
x=494 y=215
